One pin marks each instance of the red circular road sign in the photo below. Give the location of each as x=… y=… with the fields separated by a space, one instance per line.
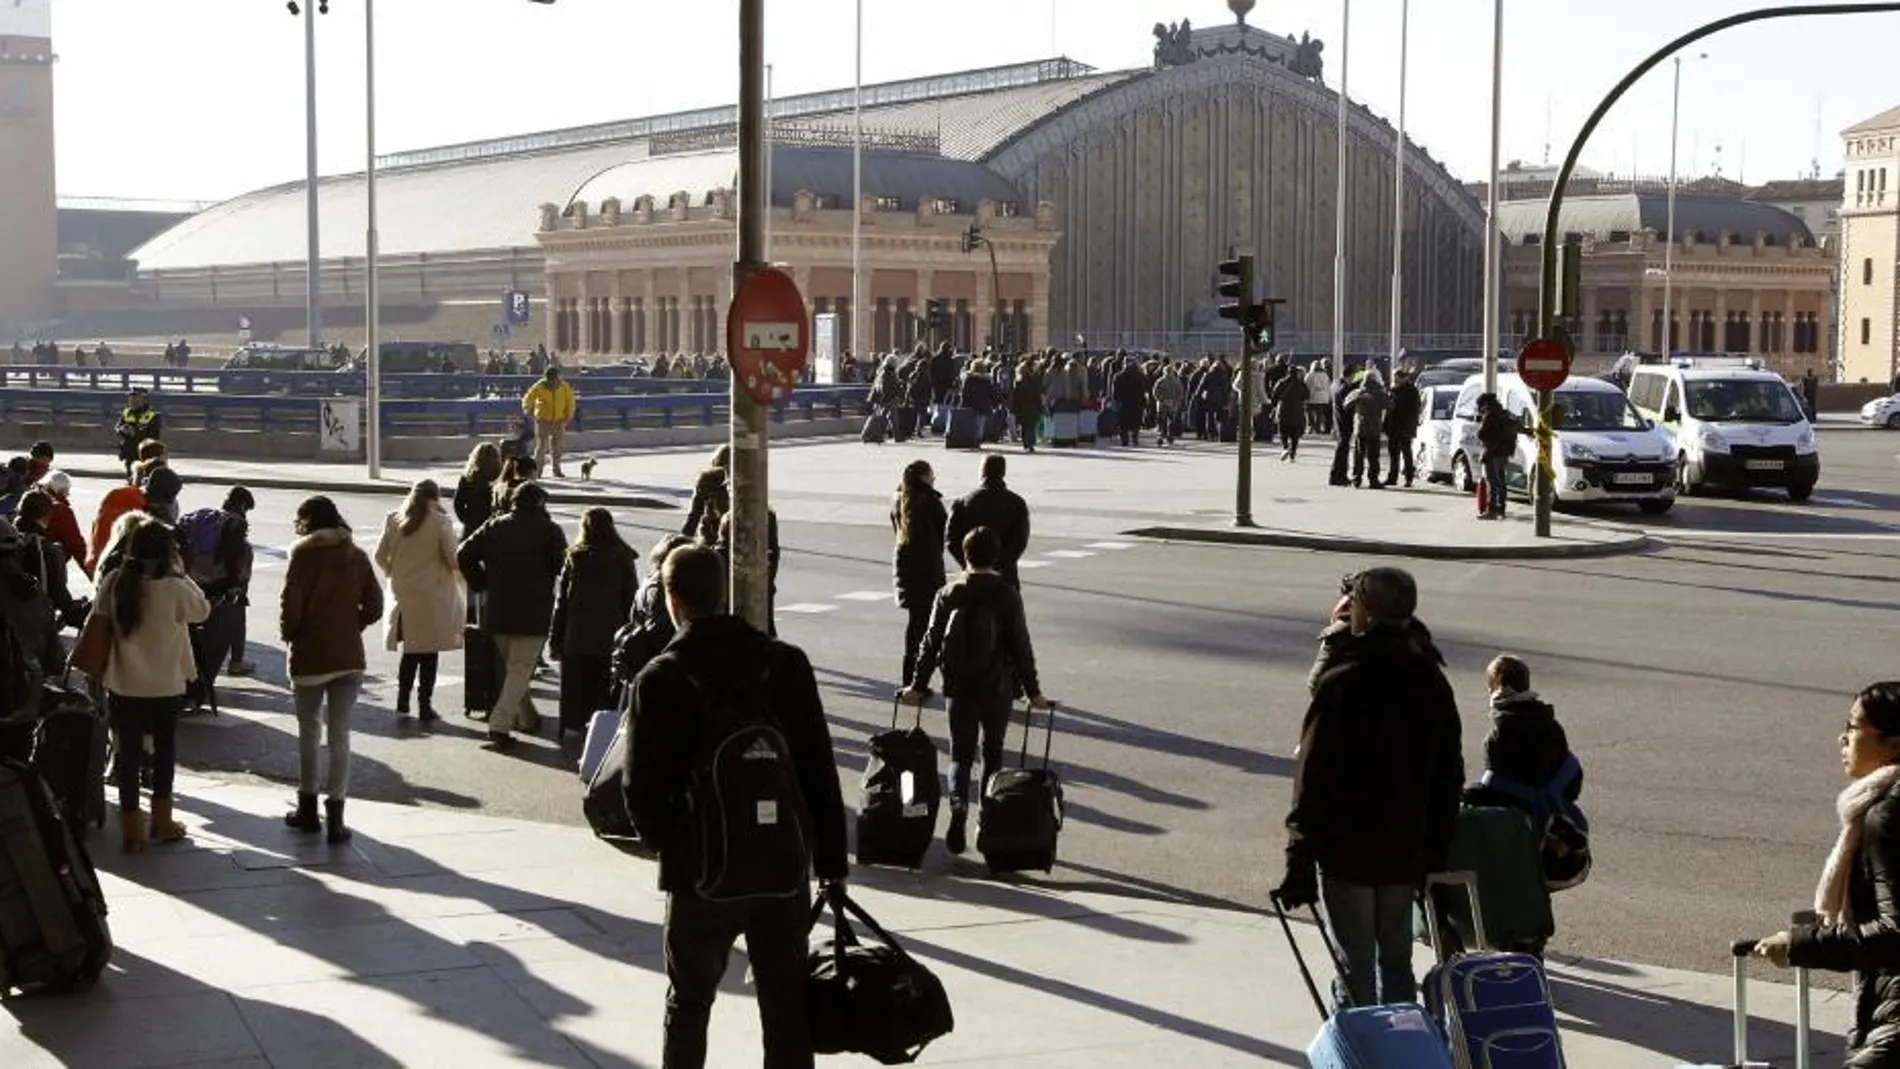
x=1543 y=364
x=768 y=337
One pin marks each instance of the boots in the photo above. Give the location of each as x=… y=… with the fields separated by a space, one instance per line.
x=333 y=816
x=402 y=704
x=304 y=818
x=131 y=831
x=954 y=839
x=164 y=828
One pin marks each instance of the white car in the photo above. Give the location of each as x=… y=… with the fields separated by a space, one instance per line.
x=1731 y=423
x=1882 y=412
x=1604 y=451
x=1434 y=445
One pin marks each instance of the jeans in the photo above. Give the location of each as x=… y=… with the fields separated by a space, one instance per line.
x=914 y=636
x=416 y=671
x=1027 y=428
x=987 y=713
x=1494 y=474
x=1373 y=927
x=134 y=719
x=332 y=702
x=240 y=637
x=1399 y=452
x=514 y=704
x=699 y=937
x=1365 y=460
x=547 y=445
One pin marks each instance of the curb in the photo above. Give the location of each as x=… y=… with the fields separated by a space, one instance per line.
x=268 y=482
x=1634 y=542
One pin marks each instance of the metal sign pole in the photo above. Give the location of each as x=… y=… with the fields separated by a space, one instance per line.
x=750 y=584
x=372 y=320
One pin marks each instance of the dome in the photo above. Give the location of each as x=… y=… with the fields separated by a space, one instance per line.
x=1618 y=217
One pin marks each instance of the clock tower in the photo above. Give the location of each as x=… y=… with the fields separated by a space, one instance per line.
x=29 y=212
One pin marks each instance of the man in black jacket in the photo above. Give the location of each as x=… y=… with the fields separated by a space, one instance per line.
x=980 y=692
x=1401 y=427
x=995 y=506
x=662 y=798
x=1131 y=399
x=515 y=560
x=1375 y=794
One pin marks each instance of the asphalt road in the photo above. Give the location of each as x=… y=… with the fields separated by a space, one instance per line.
x=1702 y=683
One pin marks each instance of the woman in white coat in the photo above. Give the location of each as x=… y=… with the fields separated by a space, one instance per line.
x=417 y=553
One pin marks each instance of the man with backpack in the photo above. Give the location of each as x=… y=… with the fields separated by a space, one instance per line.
x=995 y=506
x=215 y=545
x=980 y=637
x=732 y=780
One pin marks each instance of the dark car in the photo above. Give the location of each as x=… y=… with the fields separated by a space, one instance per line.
x=267 y=369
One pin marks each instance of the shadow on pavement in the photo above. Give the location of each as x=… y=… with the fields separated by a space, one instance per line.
x=1685 y=1032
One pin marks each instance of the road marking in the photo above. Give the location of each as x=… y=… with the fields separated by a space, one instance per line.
x=864 y=595
x=1033 y=563
x=1068 y=554
x=1686 y=537
x=1841 y=502
x=808 y=608
x=1111 y=545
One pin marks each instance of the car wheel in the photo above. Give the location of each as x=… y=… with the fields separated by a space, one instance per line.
x=1801 y=492
x=1655 y=508
x=1461 y=475
x=1893 y=422
x=1684 y=487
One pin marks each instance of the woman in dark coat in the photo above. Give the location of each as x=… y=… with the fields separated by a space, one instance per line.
x=1025 y=403
x=918 y=519
x=1289 y=401
x=475 y=491
x=711 y=499
x=1857 y=903
x=594 y=599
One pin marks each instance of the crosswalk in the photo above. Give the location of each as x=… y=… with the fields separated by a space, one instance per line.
x=1047 y=558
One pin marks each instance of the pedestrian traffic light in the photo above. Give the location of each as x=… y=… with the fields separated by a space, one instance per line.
x=1261 y=325
x=1237 y=285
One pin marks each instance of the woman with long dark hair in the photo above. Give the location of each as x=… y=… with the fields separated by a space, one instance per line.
x=918 y=519
x=475 y=490
x=417 y=553
x=151 y=605
x=598 y=584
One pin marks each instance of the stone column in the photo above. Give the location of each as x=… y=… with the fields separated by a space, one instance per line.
x=1038 y=310
x=583 y=340
x=1640 y=316
x=617 y=309
x=652 y=332
x=1787 y=323
x=1757 y=333
x=1721 y=321
x=1592 y=337
x=688 y=313
x=721 y=307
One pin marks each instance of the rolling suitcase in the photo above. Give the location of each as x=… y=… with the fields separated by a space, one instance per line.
x=1803 y=1026
x=876 y=427
x=53 y=931
x=903 y=423
x=963 y=430
x=940 y=418
x=996 y=426
x=481 y=672
x=71 y=747
x=604 y=773
x=1494 y=1008
x=900 y=796
x=1108 y=423
x=1020 y=817
x=1064 y=429
x=1368 y=1037
x=1086 y=422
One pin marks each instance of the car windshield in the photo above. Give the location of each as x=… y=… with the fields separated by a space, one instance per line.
x=1596 y=410
x=1742 y=401
x=1443 y=403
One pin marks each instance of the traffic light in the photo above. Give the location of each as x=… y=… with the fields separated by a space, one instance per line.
x=972 y=238
x=1237 y=285
x=937 y=313
x=1262 y=323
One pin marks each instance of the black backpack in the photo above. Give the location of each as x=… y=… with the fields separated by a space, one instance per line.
x=969 y=643
x=752 y=832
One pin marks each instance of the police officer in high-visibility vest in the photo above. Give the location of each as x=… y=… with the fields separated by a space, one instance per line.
x=138 y=423
x=549 y=404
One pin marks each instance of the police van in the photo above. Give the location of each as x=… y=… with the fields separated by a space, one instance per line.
x=1730 y=424
x=1602 y=449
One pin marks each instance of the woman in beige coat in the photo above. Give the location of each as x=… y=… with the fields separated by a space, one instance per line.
x=417 y=553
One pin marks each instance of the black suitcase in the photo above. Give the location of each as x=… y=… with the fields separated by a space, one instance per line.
x=996 y=426
x=71 y=748
x=903 y=423
x=481 y=672
x=900 y=796
x=876 y=428
x=963 y=429
x=53 y=931
x=1021 y=814
x=604 y=794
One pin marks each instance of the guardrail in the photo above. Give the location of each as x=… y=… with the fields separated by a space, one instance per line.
x=341 y=384
x=487 y=417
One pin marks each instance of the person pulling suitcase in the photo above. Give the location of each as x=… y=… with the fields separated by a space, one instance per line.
x=979 y=636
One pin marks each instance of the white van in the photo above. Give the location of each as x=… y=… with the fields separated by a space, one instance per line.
x=1730 y=424
x=1603 y=450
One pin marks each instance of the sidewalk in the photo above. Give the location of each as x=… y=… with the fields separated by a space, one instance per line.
x=1183 y=493
x=444 y=938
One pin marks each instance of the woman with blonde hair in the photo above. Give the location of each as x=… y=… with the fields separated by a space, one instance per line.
x=150 y=604
x=417 y=554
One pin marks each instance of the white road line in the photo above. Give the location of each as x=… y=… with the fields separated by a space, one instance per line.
x=1068 y=554
x=808 y=608
x=1689 y=536
x=864 y=595
x=1033 y=563
x=1111 y=545
x=1841 y=502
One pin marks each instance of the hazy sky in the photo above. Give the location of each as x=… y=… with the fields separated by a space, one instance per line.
x=203 y=99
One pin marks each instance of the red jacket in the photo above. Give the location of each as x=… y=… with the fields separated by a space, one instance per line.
x=63 y=526
x=116 y=504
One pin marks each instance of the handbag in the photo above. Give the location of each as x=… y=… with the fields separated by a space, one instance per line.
x=93 y=651
x=870 y=999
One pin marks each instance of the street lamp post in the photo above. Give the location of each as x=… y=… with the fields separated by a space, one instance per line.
x=1339 y=210
x=1669 y=249
x=372 y=318
x=857 y=193
x=313 y=290
x=747 y=418
x=1492 y=267
x=1398 y=190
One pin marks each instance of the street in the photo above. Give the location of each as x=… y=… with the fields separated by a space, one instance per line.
x=1702 y=683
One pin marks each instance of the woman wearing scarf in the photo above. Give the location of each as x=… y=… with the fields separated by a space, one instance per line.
x=1858 y=902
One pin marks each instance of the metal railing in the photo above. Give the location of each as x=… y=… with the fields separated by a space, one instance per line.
x=485 y=417
x=1217 y=340
x=340 y=384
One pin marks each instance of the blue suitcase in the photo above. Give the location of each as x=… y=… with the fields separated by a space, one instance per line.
x=963 y=430
x=1495 y=1009
x=1371 y=1037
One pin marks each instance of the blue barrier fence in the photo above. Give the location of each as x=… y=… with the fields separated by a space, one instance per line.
x=422 y=418
x=251 y=382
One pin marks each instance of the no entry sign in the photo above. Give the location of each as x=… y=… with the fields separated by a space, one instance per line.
x=1543 y=364
x=768 y=337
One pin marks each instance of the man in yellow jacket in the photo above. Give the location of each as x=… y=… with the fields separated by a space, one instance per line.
x=549 y=404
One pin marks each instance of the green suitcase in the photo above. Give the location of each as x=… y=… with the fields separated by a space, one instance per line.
x=1498 y=845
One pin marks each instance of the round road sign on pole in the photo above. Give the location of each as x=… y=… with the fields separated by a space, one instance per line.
x=1543 y=364
x=768 y=337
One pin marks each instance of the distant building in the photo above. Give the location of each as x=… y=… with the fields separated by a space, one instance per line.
x=1870 y=249
x=1814 y=201
x=29 y=237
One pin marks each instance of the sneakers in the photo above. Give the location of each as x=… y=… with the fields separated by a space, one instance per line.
x=954 y=839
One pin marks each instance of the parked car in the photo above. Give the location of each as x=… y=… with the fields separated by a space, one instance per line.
x=1604 y=449
x=1730 y=424
x=1434 y=445
x=261 y=369
x=1882 y=412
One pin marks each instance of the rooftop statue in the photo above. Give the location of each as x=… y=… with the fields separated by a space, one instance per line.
x=1306 y=61
x=1173 y=44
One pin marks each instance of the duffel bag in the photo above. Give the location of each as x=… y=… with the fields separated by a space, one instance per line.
x=870 y=999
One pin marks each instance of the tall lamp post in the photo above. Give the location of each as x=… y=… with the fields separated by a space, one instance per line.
x=1398 y=191
x=1669 y=250
x=313 y=289
x=1493 y=281
x=857 y=193
x=372 y=319
x=1339 y=210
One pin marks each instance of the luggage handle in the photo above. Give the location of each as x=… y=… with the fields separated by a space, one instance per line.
x=845 y=936
x=1048 y=739
x=1469 y=881
x=1299 y=958
x=1743 y=949
x=897 y=703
